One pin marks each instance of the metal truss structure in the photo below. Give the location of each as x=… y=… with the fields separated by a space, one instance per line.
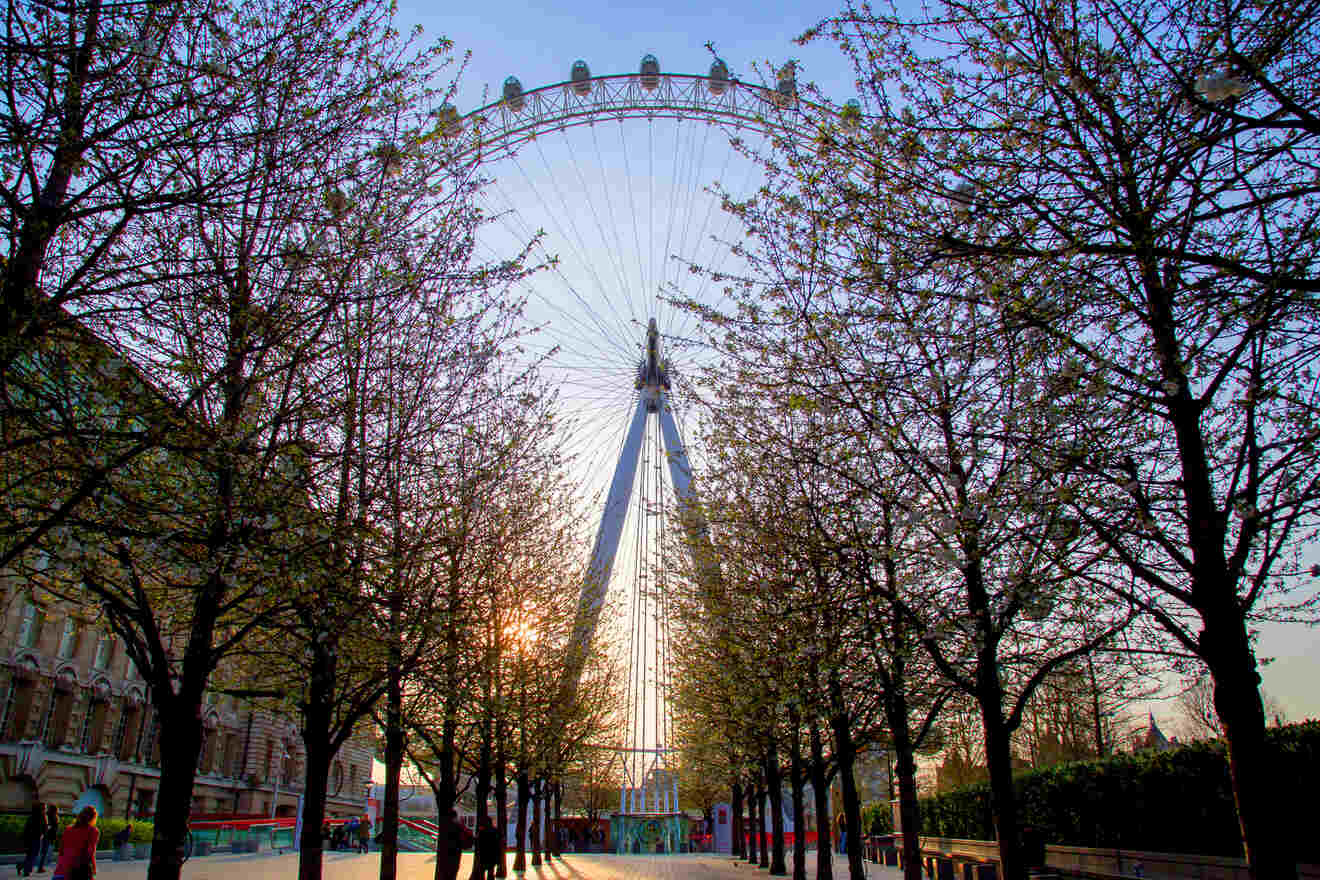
x=500 y=127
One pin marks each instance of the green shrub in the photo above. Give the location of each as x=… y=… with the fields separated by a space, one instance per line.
x=879 y=810
x=11 y=831
x=1175 y=801
x=142 y=832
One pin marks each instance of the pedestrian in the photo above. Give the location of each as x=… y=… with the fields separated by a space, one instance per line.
x=78 y=850
x=350 y=832
x=34 y=832
x=364 y=834
x=842 y=823
x=50 y=842
x=327 y=835
x=488 y=849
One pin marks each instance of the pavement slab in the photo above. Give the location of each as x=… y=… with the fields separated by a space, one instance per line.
x=421 y=866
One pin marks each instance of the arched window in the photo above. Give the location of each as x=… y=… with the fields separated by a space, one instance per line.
x=337 y=779
x=18 y=704
x=211 y=740
x=29 y=625
x=68 y=640
x=150 y=752
x=105 y=651
x=98 y=709
x=234 y=754
x=124 y=741
x=55 y=726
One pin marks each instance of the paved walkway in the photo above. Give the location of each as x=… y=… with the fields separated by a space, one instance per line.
x=421 y=866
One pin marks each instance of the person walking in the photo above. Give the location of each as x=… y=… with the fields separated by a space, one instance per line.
x=488 y=849
x=78 y=851
x=50 y=842
x=34 y=832
x=364 y=834
x=842 y=824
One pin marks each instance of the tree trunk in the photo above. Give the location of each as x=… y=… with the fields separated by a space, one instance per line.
x=1224 y=642
x=501 y=799
x=775 y=782
x=1003 y=796
x=909 y=810
x=909 y=816
x=753 y=844
x=760 y=823
x=481 y=791
x=845 y=752
x=316 y=734
x=389 y=832
x=520 y=830
x=738 y=845
x=1269 y=851
x=537 y=842
x=799 y=810
x=559 y=818
x=821 y=790
x=180 y=725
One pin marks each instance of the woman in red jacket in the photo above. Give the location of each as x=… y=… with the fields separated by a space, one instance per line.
x=78 y=848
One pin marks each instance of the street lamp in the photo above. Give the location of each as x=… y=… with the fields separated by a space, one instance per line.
x=275 y=801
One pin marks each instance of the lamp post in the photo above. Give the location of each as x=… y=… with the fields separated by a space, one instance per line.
x=275 y=801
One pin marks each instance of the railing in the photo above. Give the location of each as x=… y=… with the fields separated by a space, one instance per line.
x=417 y=835
x=1087 y=863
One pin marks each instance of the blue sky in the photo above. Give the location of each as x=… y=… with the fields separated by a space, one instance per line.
x=538 y=43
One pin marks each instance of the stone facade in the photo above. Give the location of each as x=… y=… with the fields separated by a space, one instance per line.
x=77 y=727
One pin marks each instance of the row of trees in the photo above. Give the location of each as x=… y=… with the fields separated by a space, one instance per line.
x=1020 y=387
x=264 y=408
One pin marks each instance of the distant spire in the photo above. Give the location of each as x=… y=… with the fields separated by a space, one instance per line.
x=1155 y=738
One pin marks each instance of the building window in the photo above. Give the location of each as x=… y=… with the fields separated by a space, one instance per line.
x=337 y=781
x=352 y=780
x=205 y=753
x=7 y=707
x=55 y=725
x=94 y=724
x=270 y=760
x=19 y=708
x=68 y=639
x=29 y=627
x=233 y=755
x=105 y=651
x=149 y=743
x=126 y=731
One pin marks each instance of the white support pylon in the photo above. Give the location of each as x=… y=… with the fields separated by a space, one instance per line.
x=653 y=398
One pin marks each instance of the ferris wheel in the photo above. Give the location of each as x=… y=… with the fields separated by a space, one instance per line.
x=620 y=179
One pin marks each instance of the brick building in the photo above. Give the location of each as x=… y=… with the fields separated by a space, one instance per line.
x=77 y=727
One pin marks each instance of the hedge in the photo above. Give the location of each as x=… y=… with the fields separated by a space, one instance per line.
x=11 y=831
x=1175 y=801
